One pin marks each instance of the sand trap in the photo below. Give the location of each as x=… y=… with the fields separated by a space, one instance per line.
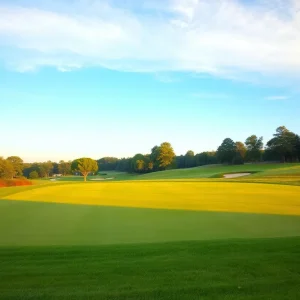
x=100 y=179
x=236 y=175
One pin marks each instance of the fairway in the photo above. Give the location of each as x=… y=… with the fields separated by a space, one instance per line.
x=183 y=238
x=208 y=196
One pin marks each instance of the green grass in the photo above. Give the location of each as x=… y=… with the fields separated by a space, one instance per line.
x=44 y=224
x=65 y=251
x=211 y=171
x=246 y=269
x=117 y=176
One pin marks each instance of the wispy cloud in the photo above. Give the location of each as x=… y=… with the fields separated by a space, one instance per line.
x=219 y=37
x=277 y=97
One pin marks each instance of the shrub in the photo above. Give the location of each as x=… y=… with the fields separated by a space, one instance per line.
x=14 y=182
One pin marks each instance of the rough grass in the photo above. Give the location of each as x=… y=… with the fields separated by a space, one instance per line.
x=249 y=269
x=208 y=196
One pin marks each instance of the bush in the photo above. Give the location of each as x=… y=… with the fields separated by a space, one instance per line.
x=33 y=175
x=14 y=182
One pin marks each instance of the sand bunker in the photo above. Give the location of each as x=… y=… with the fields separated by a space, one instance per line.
x=235 y=175
x=100 y=179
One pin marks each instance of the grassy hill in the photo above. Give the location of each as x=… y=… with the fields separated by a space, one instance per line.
x=215 y=171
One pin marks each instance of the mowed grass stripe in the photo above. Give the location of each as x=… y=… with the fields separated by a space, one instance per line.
x=208 y=196
x=25 y=223
x=248 y=269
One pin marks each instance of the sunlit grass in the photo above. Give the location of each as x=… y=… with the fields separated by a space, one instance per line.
x=209 y=196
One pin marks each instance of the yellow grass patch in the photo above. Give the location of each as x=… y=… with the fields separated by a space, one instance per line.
x=210 y=196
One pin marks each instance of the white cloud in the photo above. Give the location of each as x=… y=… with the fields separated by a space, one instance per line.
x=277 y=97
x=218 y=37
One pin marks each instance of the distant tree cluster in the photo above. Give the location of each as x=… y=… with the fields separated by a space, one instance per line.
x=284 y=147
x=46 y=169
x=161 y=158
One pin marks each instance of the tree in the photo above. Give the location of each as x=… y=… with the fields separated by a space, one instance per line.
x=64 y=168
x=7 y=170
x=206 y=158
x=284 y=143
x=254 y=147
x=139 y=163
x=165 y=155
x=297 y=146
x=17 y=163
x=190 y=160
x=45 y=168
x=241 y=149
x=108 y=163
x=33 y=175
x=154 y=158
x=227 y=151
x=84 y=165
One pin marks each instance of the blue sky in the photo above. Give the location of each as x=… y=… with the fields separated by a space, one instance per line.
x=100 y=78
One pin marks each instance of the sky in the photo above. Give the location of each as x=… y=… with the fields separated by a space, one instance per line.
x=117 y=77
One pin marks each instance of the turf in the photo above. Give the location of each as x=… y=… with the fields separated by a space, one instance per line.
x=209 y=171
x=43 y=224
x=248 y=269
x=192 y=237
x=209 y=196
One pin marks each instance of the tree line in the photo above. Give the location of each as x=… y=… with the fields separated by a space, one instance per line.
x=284 y=147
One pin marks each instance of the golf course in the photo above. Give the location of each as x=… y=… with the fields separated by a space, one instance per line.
x=175 y=234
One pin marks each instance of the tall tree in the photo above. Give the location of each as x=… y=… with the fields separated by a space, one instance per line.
x=190 y=160
x=7 y=170
x=297 y=146
x=45 y=168
x=166 y=155
x=254 y=147
x=64 y=167
x=17 y=163
x=85 y=166
x=241 y=149
x=284 y=142
x=227 y=151
x=154 y=158
x=139 y=163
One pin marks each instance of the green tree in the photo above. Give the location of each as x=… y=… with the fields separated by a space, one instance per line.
x=166 y=155
x=241 y=149
x=190 y=160
x=227 y=151
x=254 y=146
x=297 y=146
x=7 y=170
x=64 y=167
x=154 y=158
x=33 y=175
x=17 y=163
x=45 y=168
x=284 y=143
x=139 y=163
x=85 y=166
